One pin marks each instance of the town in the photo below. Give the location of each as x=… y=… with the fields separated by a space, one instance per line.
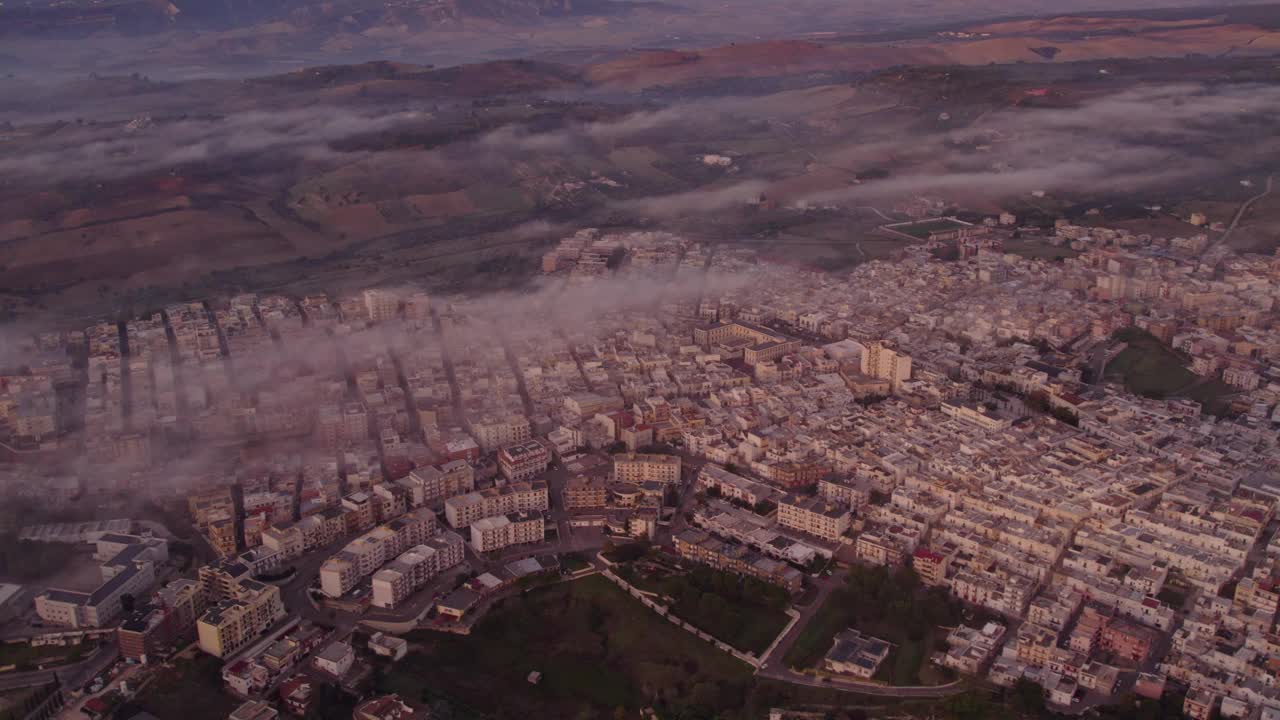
x=1061 y=444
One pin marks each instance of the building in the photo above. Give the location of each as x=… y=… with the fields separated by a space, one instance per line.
x=387 y=707
x=463 y=510
x=814 y=516
x=416 y=567
x=640 y=468
x=335 y=659
x=881 y=361
x=501 y=531
x=388 y=646
x=713 y=478
x=234 y=622
x=931 y=566
x=364 y=555
x=1128 y=640
x=976 y=414
x=701 y=547
x=492 y=432
x=585 y=492
x=128 y=568
x=853 y=653
x=381 y=305
x=431 y=485
x=754 y=344
x=254 y=710
x=523 y=461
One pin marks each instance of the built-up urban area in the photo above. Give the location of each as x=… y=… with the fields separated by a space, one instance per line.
x=1072 y=433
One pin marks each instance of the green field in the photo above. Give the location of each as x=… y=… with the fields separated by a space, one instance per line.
x=1037 y=250
x=746 y=613
x=1150 y=368
x=25 y=656
x=1147 y=367
x=597 y=648
x=891 y=606
x=191 y=690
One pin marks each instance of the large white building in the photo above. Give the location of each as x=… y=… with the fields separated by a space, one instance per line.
x=463 y=510
x=495 y=533
x=364 y=555
x=640 y=468
x=128 y=568
x=814 y=516
x=415 y=567
x=492 y=432
x=881 y=361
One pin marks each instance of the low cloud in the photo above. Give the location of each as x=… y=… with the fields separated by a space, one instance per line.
x=106 y=152
x=1128 y=141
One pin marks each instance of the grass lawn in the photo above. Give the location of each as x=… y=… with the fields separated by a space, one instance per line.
x=191 y=690
x=1037 y=249
x=891 y=606
x=24 y=655
x=597 y=649
x=744 y=613
x=573 y=562
x=1149 y=368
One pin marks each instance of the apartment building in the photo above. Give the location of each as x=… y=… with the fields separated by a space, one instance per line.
x=381 y=305
x=732 y=486
x=501 y=531
x=702 y=547
x=364 y=555
x=389 y=501
x=286 y=540
x=463 y=510
x=432 y=485
x=523 y=461
x=493 y=432
x=998 y=590
x=582 y=492
x=850 y=492
x=414 y=568
x=814 y=516
x=234 y=622
x=883 y=362
x=1259 y=594
x=640 y=468
x=363 y=513
x=975 y=414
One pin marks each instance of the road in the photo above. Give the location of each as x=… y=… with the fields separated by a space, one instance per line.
x=72 y=676
x=1235 y=221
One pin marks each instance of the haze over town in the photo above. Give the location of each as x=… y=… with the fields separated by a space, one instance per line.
x=534 y=358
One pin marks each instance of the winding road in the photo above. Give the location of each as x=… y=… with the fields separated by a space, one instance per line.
x=1244 y=207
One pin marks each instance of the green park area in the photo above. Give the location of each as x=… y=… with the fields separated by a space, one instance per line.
x=190 y=689
x=890 y=605
x=600 y=653
x=22 y=656
x=1149 y=368
x=743 y=612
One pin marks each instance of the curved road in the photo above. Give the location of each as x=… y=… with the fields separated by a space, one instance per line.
x=773 y=667
x=1235 y=221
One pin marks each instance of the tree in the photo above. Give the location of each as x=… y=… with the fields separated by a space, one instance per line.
x=616 y=257
x=1028 y=697
x=128 y=603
